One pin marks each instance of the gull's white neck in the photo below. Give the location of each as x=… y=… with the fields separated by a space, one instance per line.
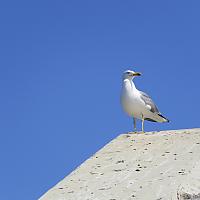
x=128 y=85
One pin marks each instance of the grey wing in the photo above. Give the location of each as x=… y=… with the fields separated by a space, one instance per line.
x=149 y=102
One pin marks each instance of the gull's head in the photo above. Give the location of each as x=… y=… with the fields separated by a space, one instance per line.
x=128 y=74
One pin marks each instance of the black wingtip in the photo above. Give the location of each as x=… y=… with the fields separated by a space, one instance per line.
x=151 y=120
x=167 y=120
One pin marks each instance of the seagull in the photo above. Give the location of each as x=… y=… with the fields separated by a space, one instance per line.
x=138 y=104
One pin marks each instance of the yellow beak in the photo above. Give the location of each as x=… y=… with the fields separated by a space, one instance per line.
x=137 y=74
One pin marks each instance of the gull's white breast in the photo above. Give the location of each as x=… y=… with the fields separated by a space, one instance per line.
x=131 y=101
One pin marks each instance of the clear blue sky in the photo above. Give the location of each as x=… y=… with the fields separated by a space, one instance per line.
x=60 y=78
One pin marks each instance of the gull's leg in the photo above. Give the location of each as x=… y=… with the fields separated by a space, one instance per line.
x=134 y=122
x=142 y=123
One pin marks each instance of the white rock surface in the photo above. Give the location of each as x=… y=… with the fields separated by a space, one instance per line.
x=152 y=166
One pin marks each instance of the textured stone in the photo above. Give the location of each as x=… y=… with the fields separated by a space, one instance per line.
x=152 y=166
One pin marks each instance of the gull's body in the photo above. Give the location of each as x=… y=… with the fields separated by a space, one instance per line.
x=138 y=104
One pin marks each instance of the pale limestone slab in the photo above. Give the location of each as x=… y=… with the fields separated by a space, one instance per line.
x=152 y=166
